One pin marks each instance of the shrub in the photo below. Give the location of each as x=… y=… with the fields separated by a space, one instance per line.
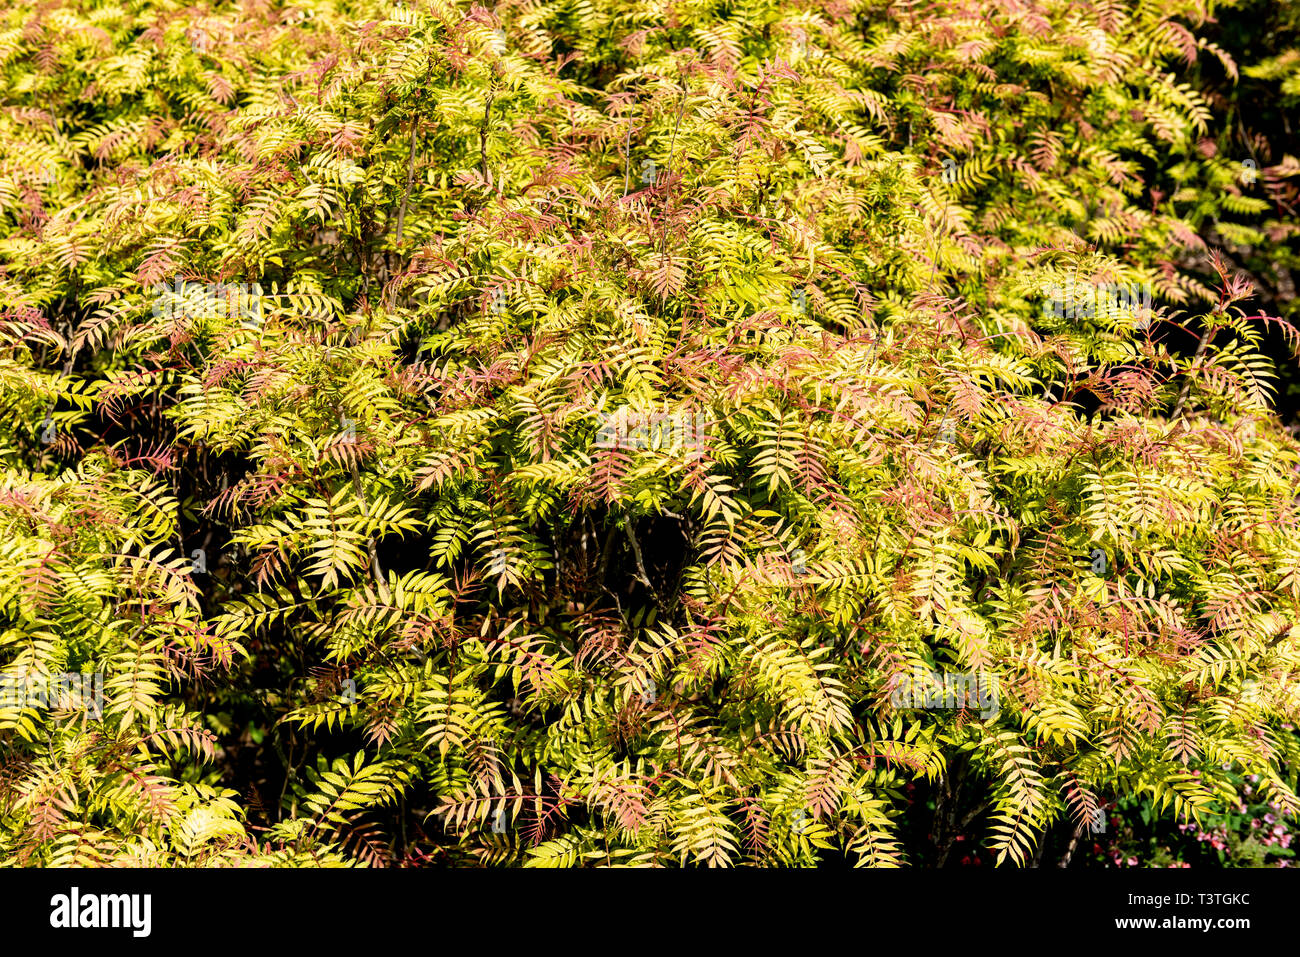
x=614 y=413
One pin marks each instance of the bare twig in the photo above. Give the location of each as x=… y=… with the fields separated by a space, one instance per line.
x=640 y=566
x=1069 y=851
x=482 y=137
x=410 y=178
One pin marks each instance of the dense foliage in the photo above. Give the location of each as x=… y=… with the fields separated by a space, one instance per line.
x=607 y=406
